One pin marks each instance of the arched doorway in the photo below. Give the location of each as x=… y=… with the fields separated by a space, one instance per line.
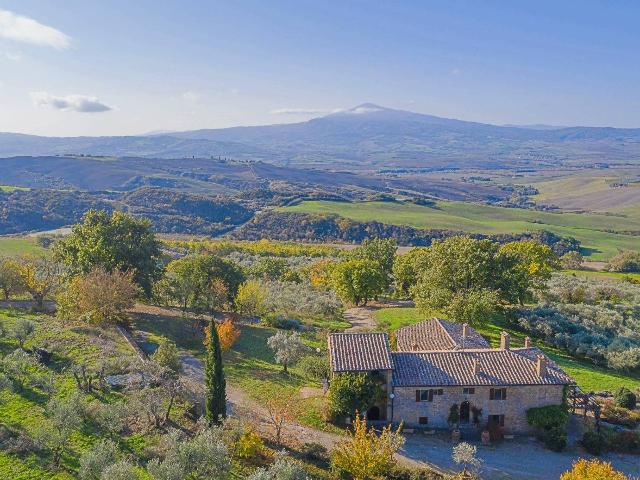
x=373 y=413
x=464 y=412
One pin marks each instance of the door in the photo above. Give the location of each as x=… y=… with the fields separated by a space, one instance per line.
x=464 y=412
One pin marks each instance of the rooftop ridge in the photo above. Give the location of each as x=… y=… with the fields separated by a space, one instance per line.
x=439 y=321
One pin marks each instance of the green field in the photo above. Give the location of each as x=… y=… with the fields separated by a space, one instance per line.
x=13 y=246
x=11 y=188
x=587 y=375
x=593 y=230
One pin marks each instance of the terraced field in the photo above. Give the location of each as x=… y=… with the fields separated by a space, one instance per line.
x=597 y=232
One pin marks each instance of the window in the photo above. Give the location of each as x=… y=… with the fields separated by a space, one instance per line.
x=468 y=390
x=423 y=420
x=424 y=395
x=496 y=420
x=427 y=395
x=498 y=394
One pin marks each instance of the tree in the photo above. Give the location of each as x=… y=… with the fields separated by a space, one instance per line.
x=269 y=268
x=201 y=282
x=475 y=307
x=282 y=408
x=464 y=277
x=288 y=348
x=358 y=281
x=406 y=269
x=529 y=265
x=228 y=333
x=592 y=470
x=251 y=299
x=465 y=454
x=112 y=242
x=350 y=392
x=202 y=457
x=627 y=262
x=625 y=398
x=98 y=297
x=95 y=460
x=65 y=416
x=281 y=469
x=167 y=355
x=19 y=366
x=571 y=261
x=22 y=330
x=319 y=273
x=10 y=280
x=122 y=470
x=366 y=455
x=215 y=384
x=381 y=251
x=40 y=276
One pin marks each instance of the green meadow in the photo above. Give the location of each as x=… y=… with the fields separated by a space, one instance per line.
x=598 y=233
x=14 y=246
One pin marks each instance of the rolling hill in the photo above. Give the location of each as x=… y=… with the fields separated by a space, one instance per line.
x=367 y=135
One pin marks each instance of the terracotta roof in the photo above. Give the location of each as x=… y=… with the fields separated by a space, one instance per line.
x=437 y=334
x=495 y=367
x=359 y=352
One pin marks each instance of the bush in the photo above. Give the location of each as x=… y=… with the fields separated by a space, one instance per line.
x=593 y=443
x=167 y=355
x=627 y=262
x=351 y=392
x=551 y=422
x=316 y=367
x=249 y=445
x=314 y=451
x=625 y=398
x=619 y=415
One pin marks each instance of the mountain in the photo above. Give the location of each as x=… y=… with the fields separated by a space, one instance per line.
x=367 y=136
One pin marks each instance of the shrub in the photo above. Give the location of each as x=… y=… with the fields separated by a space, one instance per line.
x=351 y=392
x=551 y=422
x=619 y=415
x=627 y=262
x=314 y=451
x=167 y=355
x=316 y=367
x=593 y=442
x=626 y=441
x=249 y=445
x=592 y=470
x=625 y=398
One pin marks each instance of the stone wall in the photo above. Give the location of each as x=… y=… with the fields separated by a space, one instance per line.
x=519 y=400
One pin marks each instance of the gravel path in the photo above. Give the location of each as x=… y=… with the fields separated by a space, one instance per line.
x=360 y=318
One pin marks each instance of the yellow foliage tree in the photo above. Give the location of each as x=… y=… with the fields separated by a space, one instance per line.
x=367 y=455
x=39 y=276
x=592 y=470
x=227 y=332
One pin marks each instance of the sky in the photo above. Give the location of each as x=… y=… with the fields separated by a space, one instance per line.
x=77 y=67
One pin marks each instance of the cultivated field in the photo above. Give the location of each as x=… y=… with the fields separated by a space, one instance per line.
x=597 y=232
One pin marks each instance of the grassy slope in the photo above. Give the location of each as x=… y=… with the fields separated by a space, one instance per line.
x=13 y=246
x=249 y=364
x=587 y=375
x=588 y=228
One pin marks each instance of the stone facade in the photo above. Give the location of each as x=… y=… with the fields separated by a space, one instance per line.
x=519 y=399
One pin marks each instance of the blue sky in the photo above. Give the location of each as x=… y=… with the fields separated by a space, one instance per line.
x=74 y=67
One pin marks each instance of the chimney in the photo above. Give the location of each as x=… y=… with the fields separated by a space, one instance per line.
x=465 y=330
x=541 y=366
x=505 y=339
x=527 y=342
x=414 y=347
x=475 y=365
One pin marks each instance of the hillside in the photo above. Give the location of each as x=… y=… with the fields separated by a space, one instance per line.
x=365 y=135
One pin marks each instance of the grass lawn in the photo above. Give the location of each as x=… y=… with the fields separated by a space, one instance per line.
x=602 y=275
x=14 y=246
x=12 y=188
x=587 y=375
x=593 y=230
x=249 y=364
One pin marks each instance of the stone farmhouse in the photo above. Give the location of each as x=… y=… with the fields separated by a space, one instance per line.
x=438 y=364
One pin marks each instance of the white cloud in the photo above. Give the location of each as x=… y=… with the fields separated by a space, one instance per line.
x=190 y=96
x=301 y=111
x=27 y=30
x=69 y=103
x=12 y=56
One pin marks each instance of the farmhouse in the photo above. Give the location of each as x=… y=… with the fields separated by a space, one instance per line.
x=439 y=364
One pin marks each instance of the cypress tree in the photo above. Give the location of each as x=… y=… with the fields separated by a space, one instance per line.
x=215 y=384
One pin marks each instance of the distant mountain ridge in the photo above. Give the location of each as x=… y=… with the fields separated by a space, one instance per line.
x=366 y=135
